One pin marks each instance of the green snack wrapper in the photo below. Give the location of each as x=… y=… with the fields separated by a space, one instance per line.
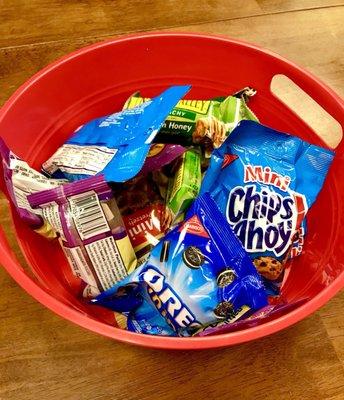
x=184 y=186
x=205 y=122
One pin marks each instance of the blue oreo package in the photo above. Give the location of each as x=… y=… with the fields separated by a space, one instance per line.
x=199 y=274
x=264 y=182
x=115 y=145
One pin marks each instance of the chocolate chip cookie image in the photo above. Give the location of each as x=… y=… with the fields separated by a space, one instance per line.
x=209 y=129
x=268 y=267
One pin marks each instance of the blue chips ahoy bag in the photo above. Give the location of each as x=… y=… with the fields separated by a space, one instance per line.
x=264 y=182
x=199 y=274
x=115 y=145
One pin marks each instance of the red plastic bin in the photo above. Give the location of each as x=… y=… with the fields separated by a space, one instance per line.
x=95 y=81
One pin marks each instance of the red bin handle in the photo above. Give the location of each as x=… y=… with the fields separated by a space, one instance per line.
x=330 y=101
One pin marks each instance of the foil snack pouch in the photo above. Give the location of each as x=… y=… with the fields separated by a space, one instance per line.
x=264 y=182
x=115 y=145
x=92 y=233
x=22 y=180
x=161 y=154
x=197 y=275
x=205 y=122
x=268 y=313
x=185 y=183
x=144 y=213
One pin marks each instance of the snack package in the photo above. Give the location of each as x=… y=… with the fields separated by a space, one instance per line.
x=264 y=182
x=246 y=93
x=206 y=122
x=115 y=145
x=161 y=177
x=185 y=184
x=144 y=214
x=92 y=233
x=21 y=180
x=161 y=154
x=268 y=313
x=197 y=275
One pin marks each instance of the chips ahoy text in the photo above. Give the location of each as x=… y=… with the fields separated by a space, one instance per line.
x=264 y=181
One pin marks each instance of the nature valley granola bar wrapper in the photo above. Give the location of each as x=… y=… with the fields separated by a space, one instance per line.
x=205 y=122
x=185 y=183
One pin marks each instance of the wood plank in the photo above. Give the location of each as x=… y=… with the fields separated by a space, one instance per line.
x=42 y=20
x=322 y=27
x=292 y=5
x=333 y=320
x=25 y=22
x=313 y=39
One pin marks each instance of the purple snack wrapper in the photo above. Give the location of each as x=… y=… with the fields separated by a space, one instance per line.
x=92 y=233
x=160 y=155
x=21 y=180
x=270 y=312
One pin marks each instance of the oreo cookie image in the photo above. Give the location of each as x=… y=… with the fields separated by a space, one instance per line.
x=225 y=278
x=224 y=310
x=193 y=257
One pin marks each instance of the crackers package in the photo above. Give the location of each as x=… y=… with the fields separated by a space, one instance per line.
x=144 y=213
x=197 y=275
x=264 y=182
x=161 y=154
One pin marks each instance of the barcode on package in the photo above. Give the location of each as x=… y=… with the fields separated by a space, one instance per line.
x=88 y=215
x=106 y=261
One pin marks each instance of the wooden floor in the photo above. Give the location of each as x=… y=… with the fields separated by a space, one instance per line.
x=45 y=357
